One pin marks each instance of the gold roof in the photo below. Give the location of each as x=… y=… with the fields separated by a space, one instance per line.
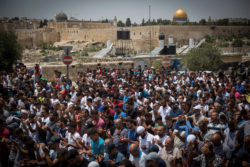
x=179 y=13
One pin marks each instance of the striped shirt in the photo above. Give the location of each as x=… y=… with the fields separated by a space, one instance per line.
x=215 y=127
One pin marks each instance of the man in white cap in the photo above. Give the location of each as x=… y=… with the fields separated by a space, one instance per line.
x=145 y=139
x=197 y=144
x=24 y=117
x=197 y=117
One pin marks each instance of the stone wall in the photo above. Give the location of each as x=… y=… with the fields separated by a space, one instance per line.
x=140 y=36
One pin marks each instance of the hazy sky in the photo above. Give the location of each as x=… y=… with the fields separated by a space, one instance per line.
x=136 y=10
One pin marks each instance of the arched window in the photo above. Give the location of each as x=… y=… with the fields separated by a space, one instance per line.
x=140 y=33
x=134 y=33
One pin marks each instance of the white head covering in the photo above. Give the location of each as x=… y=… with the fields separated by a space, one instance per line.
x=24 y=111
x=191 y=138
x=9 y=119
x=140 y=129
x=198 y=107
x=93 y=164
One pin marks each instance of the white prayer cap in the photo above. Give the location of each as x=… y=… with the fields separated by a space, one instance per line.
x=24 y=111
x=191 y=138
x=9 y=119
x=140 y=129
x=158 y=89
x=93 y=164
x=198 y=107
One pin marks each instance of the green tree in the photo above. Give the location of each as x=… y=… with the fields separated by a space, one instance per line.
x=159 y=21
x=120 y=24
x=205 y=57
x=174 y=23
x=128 y=22
x=203 y=22
x=135 y=24
x=157 y=63
x=45 y=22
x=143 y=22
x=166 y=22
x=10 y=50
x=15 y=18
x=209 y=39
x=238 y=42
x=41 y=24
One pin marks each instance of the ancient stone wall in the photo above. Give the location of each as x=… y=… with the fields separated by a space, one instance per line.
x=140 y=36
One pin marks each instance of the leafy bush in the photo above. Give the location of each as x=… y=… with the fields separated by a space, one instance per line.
x=248 y=43
x=223 y=45
x=238 y=43
x=85 y=53
x=209 y=39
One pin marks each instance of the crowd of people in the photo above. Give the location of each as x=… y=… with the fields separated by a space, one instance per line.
x=136 y=117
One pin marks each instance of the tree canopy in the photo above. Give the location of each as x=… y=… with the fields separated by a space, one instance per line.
x=10 y=50
x=45 y=21
x=120 y=24
x=15 y=18
x=203 y=22
x=128 y=22
x=206 y=57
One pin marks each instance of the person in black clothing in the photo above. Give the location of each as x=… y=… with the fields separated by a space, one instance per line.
x=76 y=160
x=148 y=124
x=130 y=112
x=109 y=121
x=242 y=73
x=131 y=69
x=221 y=74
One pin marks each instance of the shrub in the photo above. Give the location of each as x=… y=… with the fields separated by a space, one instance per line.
x=223 y=45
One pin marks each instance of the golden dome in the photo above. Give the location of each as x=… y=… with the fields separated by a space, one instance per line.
x=180 y=13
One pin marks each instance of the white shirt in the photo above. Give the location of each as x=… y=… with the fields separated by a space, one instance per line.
x=41 y=70
x=146 y=141
x=247 y=106
x=161 y=139
x=66 y=137
x=206 y=108
x=46 y=121
x=164 y=112
x=41 y=154
x=140 y=160
x=87 y=142
x=73 y=96
x=71 y=141
x=84 y=100
x=20 y=103
x=34 y=135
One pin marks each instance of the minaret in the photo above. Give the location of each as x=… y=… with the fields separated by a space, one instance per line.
x=55 y=16
x=115 y=22
x=209 y=19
